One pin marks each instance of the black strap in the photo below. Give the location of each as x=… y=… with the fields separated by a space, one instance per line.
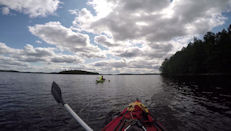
x=158 y=126
x=120 y=121
x=121 y=127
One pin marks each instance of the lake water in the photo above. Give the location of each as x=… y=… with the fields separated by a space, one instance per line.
x=189 y=103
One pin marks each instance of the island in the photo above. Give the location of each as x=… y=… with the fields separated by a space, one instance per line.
x=8 y=71
x=61 y=72
x=208 y=56
x=78 y=72
x=138 y=74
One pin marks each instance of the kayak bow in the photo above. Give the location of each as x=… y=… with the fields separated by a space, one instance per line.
x=135 y=117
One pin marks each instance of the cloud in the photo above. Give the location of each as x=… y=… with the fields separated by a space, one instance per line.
x=56 y=34
x=65 y=59
x=38 y=42
x=73 y=12
x=148 y=29
x=153 y=20
x=4 y=49
x=5 y=11
x=64 y=38
x=7 y=61
x=25 y=59
x=110 y=64
x=30 y=54
x=136 y=35
x=83 y=20
x=33 y=8
x=29 y=50
x=143 y=6
x=129 y=52
x=137 y=65
x=144 y=64
x=153 y=51
x=105 y=41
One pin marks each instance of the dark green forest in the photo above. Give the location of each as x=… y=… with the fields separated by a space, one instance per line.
x=210 y=55
x=77 y=72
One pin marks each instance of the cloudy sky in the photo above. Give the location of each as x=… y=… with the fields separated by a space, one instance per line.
x=106 y=36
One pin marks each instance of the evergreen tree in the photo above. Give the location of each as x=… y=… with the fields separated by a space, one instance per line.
x=210 y=55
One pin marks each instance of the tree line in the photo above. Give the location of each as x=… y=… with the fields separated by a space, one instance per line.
x=78 y=72
x=210 y=55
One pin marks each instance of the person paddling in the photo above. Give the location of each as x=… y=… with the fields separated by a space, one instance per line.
x=101 y=78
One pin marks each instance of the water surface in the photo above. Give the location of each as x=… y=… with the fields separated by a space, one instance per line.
x=201 y=103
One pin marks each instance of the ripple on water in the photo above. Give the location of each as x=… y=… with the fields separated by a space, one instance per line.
x=179 y=103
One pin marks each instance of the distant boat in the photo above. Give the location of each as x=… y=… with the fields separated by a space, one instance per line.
x=100 y=81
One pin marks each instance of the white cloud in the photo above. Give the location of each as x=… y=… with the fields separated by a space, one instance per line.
x=7 y=61
x=33 y=8
x=105 y=41
x=103 y=7
x=161 y=20
x=56 y=34
x=139 y=65
x=84 y=20
x=30 y=54
x=66 y=39
x=148 y=29
x=73 y=12
x=147 y=51
x=4 y=49
x=144 y=64
x=66 y=59
x=108 y=66
x=49 y=60
x=129 y=52
x=38 y=41
x=137 y=35
x=5 y=11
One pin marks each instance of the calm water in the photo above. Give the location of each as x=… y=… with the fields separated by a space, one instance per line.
x=202 y=103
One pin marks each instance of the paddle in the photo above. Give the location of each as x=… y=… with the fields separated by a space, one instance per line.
x=57 y=94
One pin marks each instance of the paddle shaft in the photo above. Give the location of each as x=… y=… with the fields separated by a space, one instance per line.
x=77 y=118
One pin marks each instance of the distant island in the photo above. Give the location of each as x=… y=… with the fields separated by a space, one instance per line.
x=62 y=72
x=209 y=56
x=138 y=74
x=8 y=71
x=78 y=72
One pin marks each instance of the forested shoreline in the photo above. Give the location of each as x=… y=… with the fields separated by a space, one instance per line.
x=210 y=55
x=78 y=72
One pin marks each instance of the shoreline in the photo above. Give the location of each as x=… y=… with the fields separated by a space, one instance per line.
x=14 y=71
x=204 y=74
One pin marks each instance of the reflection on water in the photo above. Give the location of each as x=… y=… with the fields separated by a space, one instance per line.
x=201 y=103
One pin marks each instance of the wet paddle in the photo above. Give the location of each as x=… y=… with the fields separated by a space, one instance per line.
x=57 y=94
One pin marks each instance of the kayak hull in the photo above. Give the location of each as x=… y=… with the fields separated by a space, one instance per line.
x=100 y=81
x=135 y=116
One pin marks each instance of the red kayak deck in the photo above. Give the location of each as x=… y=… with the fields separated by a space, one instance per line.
x=135 y=117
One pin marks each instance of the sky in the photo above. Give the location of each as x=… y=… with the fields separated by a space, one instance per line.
x=105 y=36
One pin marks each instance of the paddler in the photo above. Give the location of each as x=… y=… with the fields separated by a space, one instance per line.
x=101 y=78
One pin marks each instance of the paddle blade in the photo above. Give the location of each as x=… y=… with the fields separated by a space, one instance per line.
x=56 y=92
